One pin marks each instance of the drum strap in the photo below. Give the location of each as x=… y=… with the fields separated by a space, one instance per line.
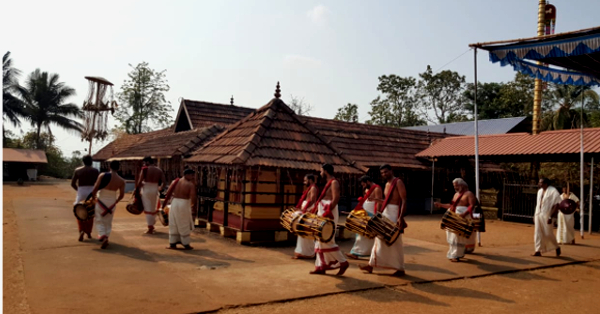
x=362 y=200
x=455 y=203
x=387 y=197
x=105 y=209
x=325 y=190
x=170 y=191
x=304 y=195
x=327 y=210
x=105 y=180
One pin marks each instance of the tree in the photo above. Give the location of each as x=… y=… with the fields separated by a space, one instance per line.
x=566 y=99
x=398 y=107
x=348 y=113
x=299 y=106
x=489 y=105
x=44 y=97
x=442 y=93
x=143 y=100
x=12 y=107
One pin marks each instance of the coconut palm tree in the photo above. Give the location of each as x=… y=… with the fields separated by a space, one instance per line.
x=568 y=114
x=44 y=97
x=13 y=107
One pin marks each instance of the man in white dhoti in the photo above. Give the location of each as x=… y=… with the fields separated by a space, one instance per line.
x=394 y=209
x=148 y=181
x=83 y=182
x=565 y=232
x=548 y=199
x=305 y=247
x=106 y=190
x=328 y=254
x=463 y=203
x=183 y=207
x=363 y=245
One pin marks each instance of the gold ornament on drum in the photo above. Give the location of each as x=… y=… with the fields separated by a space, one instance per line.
x=454 y=223
x=358 y=222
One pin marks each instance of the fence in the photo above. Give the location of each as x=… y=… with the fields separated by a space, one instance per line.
x=518 y=201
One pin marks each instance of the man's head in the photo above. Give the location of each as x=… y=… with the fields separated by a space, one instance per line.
x=188 y=174
x=309 y=179
x=326 y=170
x=148 y=161
x=366 y=182
x=460 y=185
x=544 y=183
x=386 y=172
x=87 y=160
x=564 y=189
x=115 y=165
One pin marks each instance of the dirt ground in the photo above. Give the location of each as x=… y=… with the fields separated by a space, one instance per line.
x=44 y=264
x=555 y=290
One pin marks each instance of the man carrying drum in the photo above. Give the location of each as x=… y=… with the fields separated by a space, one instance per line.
x=393 y=208
x=148 y=181
x=183 y=208
x=83 y=182
x=328 y=254
x=363 y=245
x=305 y=246
x=107 y=184
x=463 y=203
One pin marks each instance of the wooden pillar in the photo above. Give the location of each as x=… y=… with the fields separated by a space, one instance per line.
x=243 y=197
x=226 y=197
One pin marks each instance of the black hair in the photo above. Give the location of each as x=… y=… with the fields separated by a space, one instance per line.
x=148 y=159
x=188 y=171
x=385 y=166
x=310 y=177
x=328 y=168
x=87 y=160
x=545 y=181
x=366 y=179
x=115 y=165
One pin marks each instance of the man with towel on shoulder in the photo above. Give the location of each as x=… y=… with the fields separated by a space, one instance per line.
x=183 y=206
x=106 y=189
x=83 y=182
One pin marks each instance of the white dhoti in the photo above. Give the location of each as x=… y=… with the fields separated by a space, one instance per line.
x=472 y=240
x=180 y=221
x=565 y=233
x=458 y=243
x=305 y=246
x=149 y=196
x=384 y=256
x=544 y=234
x=83 y=192
x=363 y=245
x=104 y=217
x=328 y=254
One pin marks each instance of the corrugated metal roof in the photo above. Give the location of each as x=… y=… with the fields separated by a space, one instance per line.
x=485 y=127
x=24 y=155
x=545 y=143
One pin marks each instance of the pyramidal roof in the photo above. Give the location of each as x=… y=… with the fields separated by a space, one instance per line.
x=273 y=136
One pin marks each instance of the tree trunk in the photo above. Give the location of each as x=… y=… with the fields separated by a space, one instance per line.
x=38 y=142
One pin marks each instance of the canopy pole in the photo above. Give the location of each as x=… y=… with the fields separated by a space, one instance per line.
x=591 y=197
x=476 y=140
x=432 y=183
x=581 y=174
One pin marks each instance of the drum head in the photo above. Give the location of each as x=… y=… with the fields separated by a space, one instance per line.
x=81 y=212
x=132 y=208
x=394 y=237
x=567 y=207
x=163 y=217
x=327 y=231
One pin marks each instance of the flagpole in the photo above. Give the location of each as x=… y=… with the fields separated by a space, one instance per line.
x=581 y=174
x=476 y=142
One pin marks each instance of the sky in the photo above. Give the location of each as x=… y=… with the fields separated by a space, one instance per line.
x=329 y=53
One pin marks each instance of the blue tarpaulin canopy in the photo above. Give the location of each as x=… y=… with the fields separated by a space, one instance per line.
x=568 y=58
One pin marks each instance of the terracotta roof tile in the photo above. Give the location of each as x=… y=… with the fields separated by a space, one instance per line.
x=127 y=141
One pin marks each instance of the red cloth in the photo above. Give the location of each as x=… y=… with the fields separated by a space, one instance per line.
x=105 y=209
x=403 y=223
x=170 y=190
x=362 y=200
x=303 y=197
x=86 y=226
x=327 y=208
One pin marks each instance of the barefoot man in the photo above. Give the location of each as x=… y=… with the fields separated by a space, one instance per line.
x=106 y=190
x=83 y=182
x=394 y=209
x=148 y=181
x=463 y=203
x=363 y=245
x=183 y=206
x=305 y=247
x=328 y=254
x=548 y=199
x=565 y=231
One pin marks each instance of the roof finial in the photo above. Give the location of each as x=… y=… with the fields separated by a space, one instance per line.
x=231 y=102
x=277 y=91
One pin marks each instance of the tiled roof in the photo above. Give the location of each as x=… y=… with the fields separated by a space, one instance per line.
x=484 y=127
x=273 y=136
x=24 y=155
x=204 y=114
x=171 y=144
x=545 y=143
x=127 y=141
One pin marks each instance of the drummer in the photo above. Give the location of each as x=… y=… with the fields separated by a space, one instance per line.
x=363 y=245
x=305 y=247
x=394 y=209
x=83 y=182
x=463 y=203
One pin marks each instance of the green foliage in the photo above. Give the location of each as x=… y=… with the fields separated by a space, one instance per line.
x=442 y=93
x=142 y=100
x=13 y=108
x=566 y=100
x=348 y=113
x=399 y=104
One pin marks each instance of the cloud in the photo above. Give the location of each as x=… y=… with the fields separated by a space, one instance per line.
x=302 y=61
x=318 y=14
